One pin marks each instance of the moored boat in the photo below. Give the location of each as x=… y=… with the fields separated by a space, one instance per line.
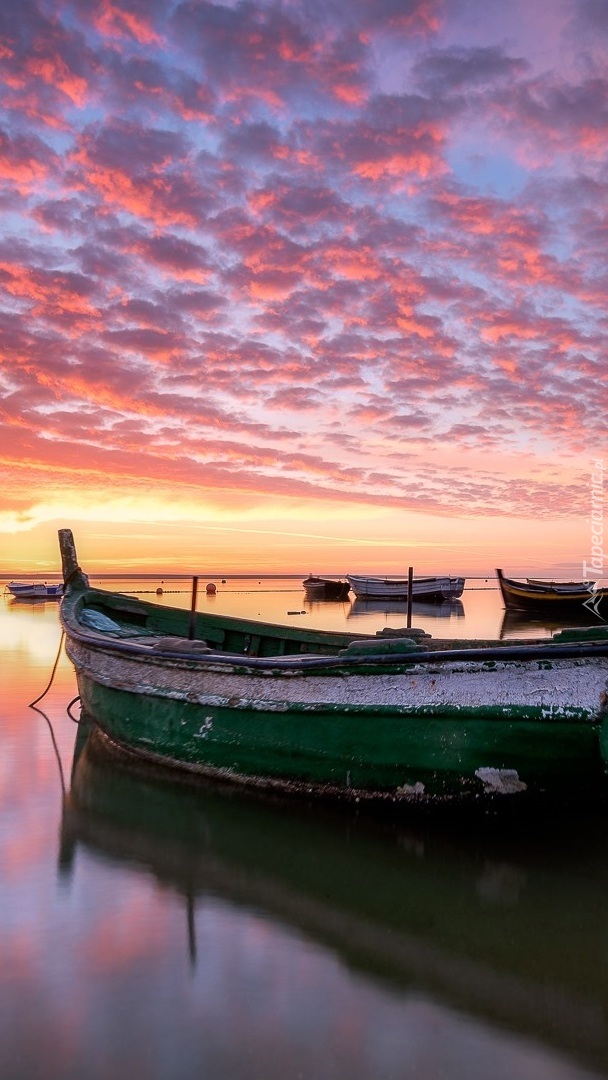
x=322 y=588
x=32 y=590
x=423 y=588
x=533 y=594
x=391 y=719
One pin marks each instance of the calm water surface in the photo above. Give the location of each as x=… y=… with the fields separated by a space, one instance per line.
x=166 y=930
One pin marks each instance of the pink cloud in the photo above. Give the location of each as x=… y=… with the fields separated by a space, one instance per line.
x=124 y=20
x=25 y=161
x=282 y=250
x=142 y=171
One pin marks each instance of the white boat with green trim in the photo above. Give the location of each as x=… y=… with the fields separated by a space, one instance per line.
x=423 y=588
x=396 y=719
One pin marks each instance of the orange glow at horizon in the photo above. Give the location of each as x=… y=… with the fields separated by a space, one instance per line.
x=430 y=545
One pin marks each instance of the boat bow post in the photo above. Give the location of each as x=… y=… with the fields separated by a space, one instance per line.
x=72 y=574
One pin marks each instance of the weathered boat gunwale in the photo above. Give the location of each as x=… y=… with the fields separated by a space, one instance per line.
x=464 y=713
x=163 y=621
x=501 y=651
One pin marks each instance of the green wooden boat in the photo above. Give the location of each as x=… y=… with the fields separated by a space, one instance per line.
x=392 y=720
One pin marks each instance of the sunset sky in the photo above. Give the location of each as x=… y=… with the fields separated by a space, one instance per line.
x=302 y=285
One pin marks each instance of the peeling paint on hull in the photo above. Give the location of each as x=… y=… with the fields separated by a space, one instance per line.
x=428 y=747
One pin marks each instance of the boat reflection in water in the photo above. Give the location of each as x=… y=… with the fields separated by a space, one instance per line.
x=442 y=609
x=525 y=624
x=503 y=921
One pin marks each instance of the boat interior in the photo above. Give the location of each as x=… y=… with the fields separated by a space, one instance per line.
x=140 y=620
x=116 y=615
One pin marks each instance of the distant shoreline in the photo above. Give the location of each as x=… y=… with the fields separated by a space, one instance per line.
x=27 y=575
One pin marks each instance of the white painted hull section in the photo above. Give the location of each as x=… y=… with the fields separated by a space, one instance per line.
x=566 y=685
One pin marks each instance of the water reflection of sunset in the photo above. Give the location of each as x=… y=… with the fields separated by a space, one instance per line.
x=29 y=628
x=155 y=929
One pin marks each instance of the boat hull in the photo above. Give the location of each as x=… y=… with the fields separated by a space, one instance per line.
x=426 y=734
x=440 y=588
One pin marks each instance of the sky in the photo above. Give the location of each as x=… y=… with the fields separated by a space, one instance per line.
x=291 y=285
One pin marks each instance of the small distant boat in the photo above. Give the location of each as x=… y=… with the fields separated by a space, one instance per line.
x=423 y=588
x=534 y=594
x=395 y=718
x=322 y=588
x=31 y=590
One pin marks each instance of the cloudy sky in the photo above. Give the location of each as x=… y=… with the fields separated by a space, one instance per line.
x=308 y=284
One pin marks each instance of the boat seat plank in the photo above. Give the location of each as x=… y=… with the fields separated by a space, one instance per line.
x=254 y=645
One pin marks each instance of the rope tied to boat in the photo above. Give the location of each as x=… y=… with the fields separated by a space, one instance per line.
x=70 y=578
x=68 y=709
x=50 y=682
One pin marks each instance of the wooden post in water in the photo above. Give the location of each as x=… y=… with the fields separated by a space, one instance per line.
x=410 y=583
x=192 y=623
x=191 y=929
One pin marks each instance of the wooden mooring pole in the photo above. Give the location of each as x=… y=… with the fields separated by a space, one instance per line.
x=192 y=622
x=410 y=583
